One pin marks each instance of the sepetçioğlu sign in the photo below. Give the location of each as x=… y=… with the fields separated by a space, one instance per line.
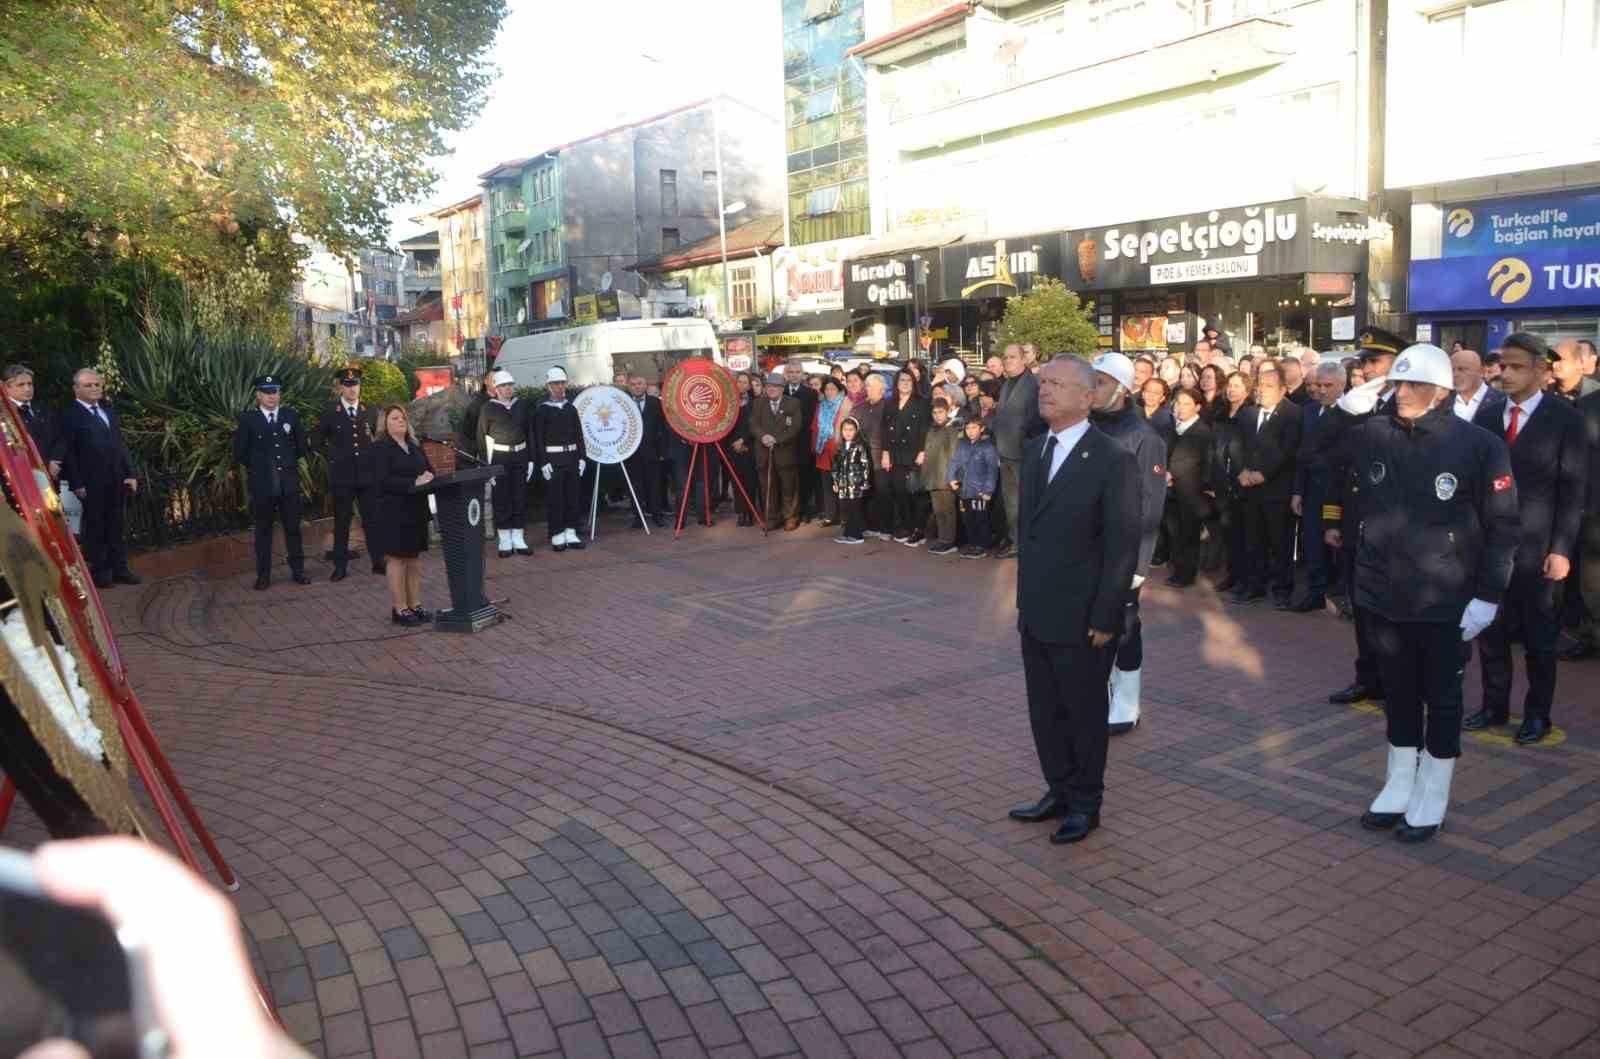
x=1282 y=238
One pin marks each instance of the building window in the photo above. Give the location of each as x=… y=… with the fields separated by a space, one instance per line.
x=669 y=192
x=743 y=281
x=669 y=239
x=708 y=181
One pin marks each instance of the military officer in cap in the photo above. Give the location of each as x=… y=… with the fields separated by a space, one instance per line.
x=505 y=436
x=344 y=436
x=269 y=442
x=1439 y=528
x=1325 y=449
x=1116 y=415
x=558 y=439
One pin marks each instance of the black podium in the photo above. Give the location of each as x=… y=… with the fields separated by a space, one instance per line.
x=458 y=499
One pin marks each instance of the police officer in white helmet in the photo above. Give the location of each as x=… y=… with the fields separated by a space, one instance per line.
x=1437 y=511
x=1116 y=415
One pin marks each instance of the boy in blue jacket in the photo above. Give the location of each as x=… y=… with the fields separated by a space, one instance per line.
x=974 y=475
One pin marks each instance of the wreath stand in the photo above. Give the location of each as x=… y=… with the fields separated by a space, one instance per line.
x=698 y=454
x=594 y=501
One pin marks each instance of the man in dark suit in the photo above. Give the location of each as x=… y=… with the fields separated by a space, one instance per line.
x=644 y=466
x=1016 y=419
x=96 y=464
x=1550 y=461
x=269 y=444
x=774 y=422
x=794 y=385
x=1311 y=490
x=344 y=436
x=1266 y=450
x=18 y=381
x=1588 y=644
x=1475 y=400
x=1568 y=380
x=1077 y=534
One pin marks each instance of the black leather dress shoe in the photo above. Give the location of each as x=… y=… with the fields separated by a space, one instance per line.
x=1047 y=808
x=1227 y=584
x=1309 y=604
x=1533 y=730
x=1410 y=833
x=1579 y=652
x=263 y=583
x=1177 y=582
x=1380 y=821
x=576 y=545
x=1485 y=719
x=349 y=553
x=300 y=578
x=126 y=577
x=658 y=521
x=339 y=574
x=103 y=581
x=1246 y=598
x=1283 y=605
x=1075 y=827
x=380 y=566
x=1356 y=692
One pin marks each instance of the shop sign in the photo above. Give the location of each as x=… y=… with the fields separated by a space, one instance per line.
x=802 y=338
x=881 y=282
x=1271 y=239
x=607 y=306
x=584 y=309
x=1550 y=221
x=738 y=350
x=997 y=268
x=810 y=278
x=1543 y=279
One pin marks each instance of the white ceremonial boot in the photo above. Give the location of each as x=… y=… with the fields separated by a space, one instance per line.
x=1124 y=700
x=1429 y=798
x=574 y=539
x=520 y=542
x=1390 y=804
x=505 y=542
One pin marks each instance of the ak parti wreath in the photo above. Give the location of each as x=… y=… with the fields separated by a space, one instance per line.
x=700 y=401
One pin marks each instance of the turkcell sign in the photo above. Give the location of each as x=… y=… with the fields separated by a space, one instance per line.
x=1507 y=282
x=1548 y=221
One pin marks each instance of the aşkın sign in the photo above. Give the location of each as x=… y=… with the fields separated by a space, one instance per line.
x=997 y=268
x=1270 y=239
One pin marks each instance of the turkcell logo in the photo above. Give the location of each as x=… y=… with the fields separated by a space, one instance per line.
x=1548 y=279
x=1509 y=280
x=1550 y=221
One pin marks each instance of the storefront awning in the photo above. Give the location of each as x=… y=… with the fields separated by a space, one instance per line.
x=922 y=237
x=829 y=327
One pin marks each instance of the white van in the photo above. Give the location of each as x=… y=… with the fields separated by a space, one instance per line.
x=595 y=353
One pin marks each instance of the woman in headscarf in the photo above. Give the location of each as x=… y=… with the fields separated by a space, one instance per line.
x=831 y=411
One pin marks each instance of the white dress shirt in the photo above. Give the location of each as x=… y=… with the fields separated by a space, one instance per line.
x=1469 y=408
x=1527 y=407
x=94 y=410
x=1182 y=425
x=1066 y=440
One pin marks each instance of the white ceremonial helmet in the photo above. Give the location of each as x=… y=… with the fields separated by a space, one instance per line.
x=555 y=375
x=503 y=378
x=1117 y=366
x=1423 y=362
x=955 y=368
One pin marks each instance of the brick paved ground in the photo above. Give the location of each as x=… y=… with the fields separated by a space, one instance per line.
x=741 y=797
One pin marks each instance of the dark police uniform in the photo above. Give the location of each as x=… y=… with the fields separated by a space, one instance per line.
x=344 y=436
x=504 y=439
x=1133 y=432
x=270 y=445
x=558 y=443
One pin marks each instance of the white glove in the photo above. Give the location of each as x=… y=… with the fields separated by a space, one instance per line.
x=1138 y=579
x=1364 y=398
x=1478 y=617
x=529 y=476
x=582 y=466
x=547 y=471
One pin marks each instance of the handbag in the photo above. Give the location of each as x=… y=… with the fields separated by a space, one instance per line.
x=914 y=481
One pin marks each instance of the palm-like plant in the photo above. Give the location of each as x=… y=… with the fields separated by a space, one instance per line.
x=185 y=386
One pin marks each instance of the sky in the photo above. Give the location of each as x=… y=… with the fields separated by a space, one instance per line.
x=570 y=69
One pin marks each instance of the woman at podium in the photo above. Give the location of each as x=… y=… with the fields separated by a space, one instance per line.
x=399 y=465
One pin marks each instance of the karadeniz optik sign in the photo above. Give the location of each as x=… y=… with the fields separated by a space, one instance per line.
x=883 y=282
x=1271 y=239
x=1550 y=221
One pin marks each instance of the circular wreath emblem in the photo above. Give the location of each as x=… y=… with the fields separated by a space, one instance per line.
x=474 y=512
x=612 y=424
x=700 y=400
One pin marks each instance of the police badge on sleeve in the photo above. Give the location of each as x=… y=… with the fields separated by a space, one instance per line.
x=1444 y=486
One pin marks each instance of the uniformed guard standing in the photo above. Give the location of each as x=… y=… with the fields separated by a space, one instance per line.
x=558 y=437
x=504 y=434
x=344 y=435
x=270 y=443
x=1117 y=417
x=1438 y=529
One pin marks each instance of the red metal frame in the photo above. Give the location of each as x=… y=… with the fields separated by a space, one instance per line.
x=705 y=470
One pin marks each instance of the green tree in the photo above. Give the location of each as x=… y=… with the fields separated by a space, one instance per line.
x=1053 y=319
x=383 y=384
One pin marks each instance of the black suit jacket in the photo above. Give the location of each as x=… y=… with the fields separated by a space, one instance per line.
x=653 y=445
x=1077 y=540
x=347 y=443
x=1550 y=461
x=1270 y=449
x=1589 y=408
x=1490 y=410
x=808 y=400
x=270 y=454
x=92 y=454
x=41 y=427
x=1311 y=482
x=1189 y=463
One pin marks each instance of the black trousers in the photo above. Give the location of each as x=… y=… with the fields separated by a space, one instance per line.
x=286 y=508
x=1232 y=519
x=903 y=504
x=880 y=502
x=1182 y=520
x=1130 y=646
x=510 y=492
x=563 y=500
x=783 y=491
x=1530 y=612
x=851 y=515
x=827 y=501
x=1269 y=545
x=978 y=523
x=808 y=480
x=1068 y=710
x=697 y=487
x=646 y=482
x=1324 y=572
x=1422 y=663
x=101 y=529
x=744 y=466
x=345 y=502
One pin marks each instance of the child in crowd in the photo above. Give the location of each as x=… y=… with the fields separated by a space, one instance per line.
x=852 y=477
x=937 y=449
x=974 y=474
